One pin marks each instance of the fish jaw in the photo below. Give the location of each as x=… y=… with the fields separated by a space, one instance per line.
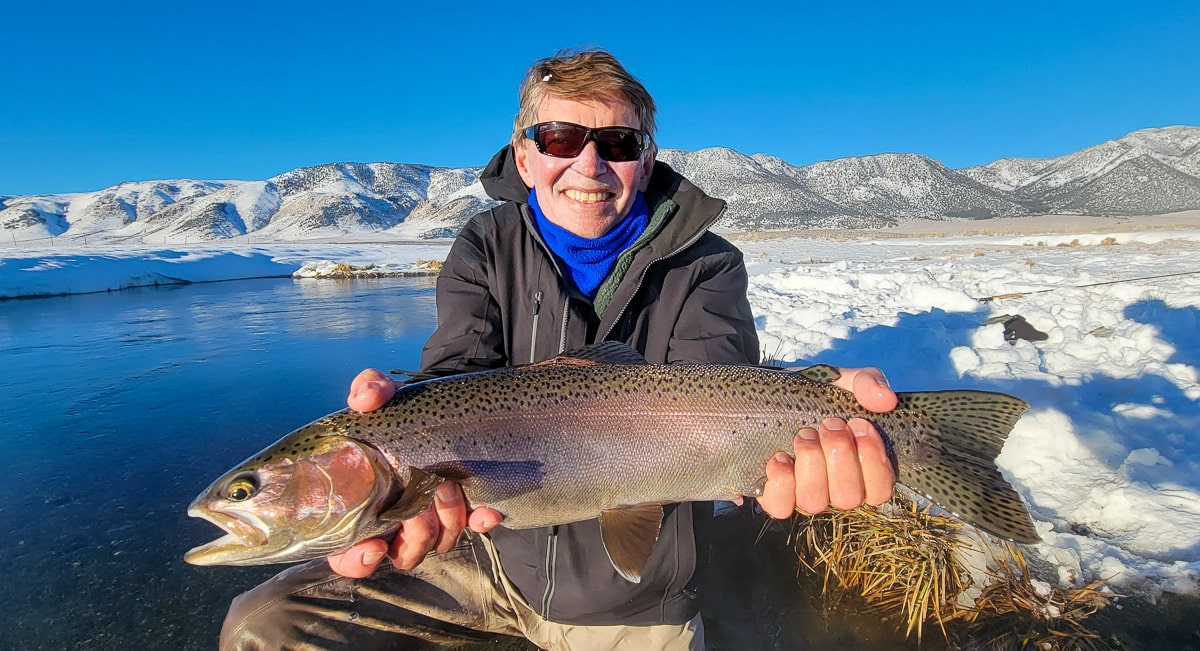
x=245 y=532
x=306 y=502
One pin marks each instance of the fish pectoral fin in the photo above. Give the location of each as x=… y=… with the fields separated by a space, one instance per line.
x=416 y=496
x=820 y=373
x=629 y=534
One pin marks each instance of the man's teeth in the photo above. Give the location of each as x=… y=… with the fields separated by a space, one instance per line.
x=587 y=197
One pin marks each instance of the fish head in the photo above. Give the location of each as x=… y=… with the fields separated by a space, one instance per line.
x=307 y=496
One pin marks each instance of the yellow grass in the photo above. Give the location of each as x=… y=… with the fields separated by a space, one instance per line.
x=910 y=562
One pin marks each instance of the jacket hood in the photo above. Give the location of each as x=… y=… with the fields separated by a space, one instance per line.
x=503 y=182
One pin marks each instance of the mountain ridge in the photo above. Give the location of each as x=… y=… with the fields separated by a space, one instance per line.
x=1149 y=171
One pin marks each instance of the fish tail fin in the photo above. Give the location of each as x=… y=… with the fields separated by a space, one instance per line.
x=962 y=476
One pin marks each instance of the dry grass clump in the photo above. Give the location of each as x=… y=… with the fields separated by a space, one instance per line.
x=1013 y=612
x=343 y=270
x=897 y=557
x=909 y=562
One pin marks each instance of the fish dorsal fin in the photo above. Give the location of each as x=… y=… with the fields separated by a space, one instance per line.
x=629 y=534
x=416 y=496
x=605 y=352
x=820 y=373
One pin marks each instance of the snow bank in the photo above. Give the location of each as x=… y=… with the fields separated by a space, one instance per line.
x=1107 y=457
x=49 y=275
x=55 y=271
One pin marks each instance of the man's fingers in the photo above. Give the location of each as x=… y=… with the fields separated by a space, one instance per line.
x=483 y=519
x=360 y=560
x=451 y=509
x=872 y=391
x=879 y=478
x=415 y=540
x=777 y=499
x=842 y=464
x=812 y=485
x=870 y=388
x=370 y=390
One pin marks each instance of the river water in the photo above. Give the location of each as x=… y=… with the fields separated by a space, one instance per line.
x=119 y=408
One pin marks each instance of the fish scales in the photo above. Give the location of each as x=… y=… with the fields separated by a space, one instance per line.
x=666 y=431
x=580 y=437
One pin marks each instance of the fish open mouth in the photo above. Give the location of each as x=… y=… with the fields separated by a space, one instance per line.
x=241 y=535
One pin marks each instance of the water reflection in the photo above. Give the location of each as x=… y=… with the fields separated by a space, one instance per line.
x=119 y=408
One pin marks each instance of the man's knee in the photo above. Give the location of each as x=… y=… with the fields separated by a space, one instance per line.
x=273 y=615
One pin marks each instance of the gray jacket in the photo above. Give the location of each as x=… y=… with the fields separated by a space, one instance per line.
x=680 y=298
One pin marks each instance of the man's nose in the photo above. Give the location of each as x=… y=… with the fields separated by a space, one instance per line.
x=588 y=161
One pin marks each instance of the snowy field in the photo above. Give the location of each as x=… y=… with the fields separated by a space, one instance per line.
x=1108 y=457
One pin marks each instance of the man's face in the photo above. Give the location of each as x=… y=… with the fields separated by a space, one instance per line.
x=585 y=195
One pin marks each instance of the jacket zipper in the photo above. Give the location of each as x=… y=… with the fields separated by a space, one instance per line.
x=551 y=555
x=642 y=277
x=537 y=307
x=552 y=538
x=562 y=333
x=562 y=337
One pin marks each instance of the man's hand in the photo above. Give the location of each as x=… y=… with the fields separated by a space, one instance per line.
x=436 y=529
x=840 y=464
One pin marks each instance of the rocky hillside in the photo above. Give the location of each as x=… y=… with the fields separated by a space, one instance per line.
x=1150 y=171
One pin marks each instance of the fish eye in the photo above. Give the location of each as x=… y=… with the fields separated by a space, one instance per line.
x=241 y=489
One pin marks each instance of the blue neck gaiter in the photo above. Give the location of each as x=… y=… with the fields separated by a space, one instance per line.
x=589 y=261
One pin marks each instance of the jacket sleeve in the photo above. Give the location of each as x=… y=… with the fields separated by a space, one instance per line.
x=715 y=324
x=469 y=334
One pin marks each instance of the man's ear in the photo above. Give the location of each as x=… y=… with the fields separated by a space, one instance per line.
x=648 y=167
x=521 y=156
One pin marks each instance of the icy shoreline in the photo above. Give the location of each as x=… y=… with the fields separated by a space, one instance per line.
x=78 y=270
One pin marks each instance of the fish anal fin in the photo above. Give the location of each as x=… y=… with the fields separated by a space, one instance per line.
x=629 y=534
x=415 y=498
x=605 y=352
x=820 y=373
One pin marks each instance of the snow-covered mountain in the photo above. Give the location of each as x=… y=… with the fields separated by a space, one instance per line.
x=1146 y=172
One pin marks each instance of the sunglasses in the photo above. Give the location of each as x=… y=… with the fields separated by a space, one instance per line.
x=566 y=140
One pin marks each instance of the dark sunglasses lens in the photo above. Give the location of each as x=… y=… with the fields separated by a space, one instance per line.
x=565 y=140
x=618 y=144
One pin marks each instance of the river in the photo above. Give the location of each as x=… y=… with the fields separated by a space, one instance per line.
x=119 y=408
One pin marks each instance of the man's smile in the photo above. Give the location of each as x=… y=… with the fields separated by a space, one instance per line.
x=587 y=197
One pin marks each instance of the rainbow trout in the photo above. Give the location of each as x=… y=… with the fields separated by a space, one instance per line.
x=595 y=433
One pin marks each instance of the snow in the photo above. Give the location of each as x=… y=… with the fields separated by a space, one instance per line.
x=1107 y=457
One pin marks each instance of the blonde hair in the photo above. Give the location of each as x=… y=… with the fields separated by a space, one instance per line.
x=582 y=74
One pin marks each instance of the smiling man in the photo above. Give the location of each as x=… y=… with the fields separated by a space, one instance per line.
x=594 y=241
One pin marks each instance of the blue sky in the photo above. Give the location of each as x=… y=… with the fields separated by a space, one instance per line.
x=98 y=93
